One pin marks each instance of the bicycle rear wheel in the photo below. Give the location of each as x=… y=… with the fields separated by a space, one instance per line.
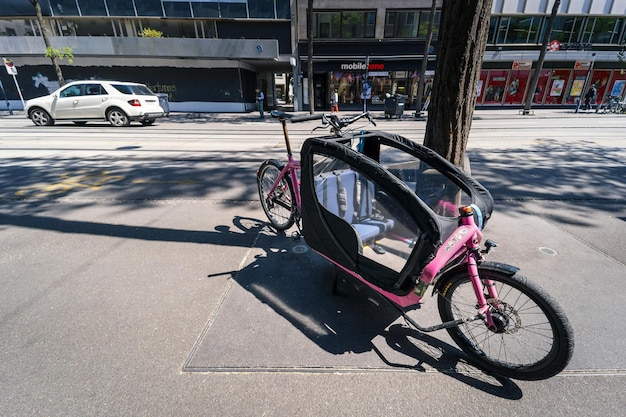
x=533 y=339
x=279 y=206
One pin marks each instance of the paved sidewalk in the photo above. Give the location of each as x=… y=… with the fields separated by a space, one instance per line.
x=163 y=293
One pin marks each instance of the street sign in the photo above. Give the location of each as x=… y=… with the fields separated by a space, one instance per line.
x=582 y=65
x=10 y=66
x=522 y=65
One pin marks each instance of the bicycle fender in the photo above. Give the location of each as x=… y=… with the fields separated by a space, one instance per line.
x=269 y=161
x=489 y=266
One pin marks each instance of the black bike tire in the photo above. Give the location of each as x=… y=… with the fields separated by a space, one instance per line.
x=556 y=358
x=286 y=180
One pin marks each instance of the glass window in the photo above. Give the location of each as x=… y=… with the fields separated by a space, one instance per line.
x=148 y=7
x=206 y=9
x=566 y=29
x=282 y=9
x=94 y=90
x=64 y=7
x=602 y=30
x=261 y=8
x=516 y=30
x=177 y=9
x=93 y=27
x=233 y=10
x=326 y=25
x=121 y=7
x=424 y=21
x=92 y=7
x=71 y=91
x=401 y=24
x=353 y=24
x=18 y=27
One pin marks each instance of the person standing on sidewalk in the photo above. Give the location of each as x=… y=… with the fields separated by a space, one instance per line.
x=259 y=102
x=334 y=102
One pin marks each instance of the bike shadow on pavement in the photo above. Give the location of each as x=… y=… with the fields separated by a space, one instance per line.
x=280 y=314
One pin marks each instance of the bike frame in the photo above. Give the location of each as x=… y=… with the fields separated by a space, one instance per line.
x=463 y=244
x=292 y=167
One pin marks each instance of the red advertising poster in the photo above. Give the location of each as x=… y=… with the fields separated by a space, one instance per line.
x=601 y=80
x=480 y=89
x=496 y=86
x=556 y=86
x=542 y=87
x=517 y=87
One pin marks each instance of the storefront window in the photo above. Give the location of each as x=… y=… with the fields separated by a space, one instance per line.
x=576 y=89
x=480 y=88
x=556 y=86
x=348 y=86
x=601 y=80
x=496 y=86
x=516 y=87
x=540 y=90
x=618 y=85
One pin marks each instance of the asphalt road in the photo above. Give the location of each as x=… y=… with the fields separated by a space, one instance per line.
x=137 y=276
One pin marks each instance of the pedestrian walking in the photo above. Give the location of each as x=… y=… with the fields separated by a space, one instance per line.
x=334 y=102
x=591 y=94
x=259 y=102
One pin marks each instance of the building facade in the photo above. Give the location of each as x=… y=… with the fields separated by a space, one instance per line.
x=383 y=43
x=214 y=53
x=211 y=56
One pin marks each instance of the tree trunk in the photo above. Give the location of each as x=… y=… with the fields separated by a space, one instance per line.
x=309 y=33
x=46 y=40
x=462 y=40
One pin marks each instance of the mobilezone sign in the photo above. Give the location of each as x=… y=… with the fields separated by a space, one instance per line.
x=362 y=66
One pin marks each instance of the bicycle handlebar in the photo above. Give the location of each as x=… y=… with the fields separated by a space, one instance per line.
x=331 y=119
x=296 y=119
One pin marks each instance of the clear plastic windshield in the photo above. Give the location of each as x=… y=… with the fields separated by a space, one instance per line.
x=386 y=231
x=437 y=191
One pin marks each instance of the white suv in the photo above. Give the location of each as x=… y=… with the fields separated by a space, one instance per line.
x=80 y=101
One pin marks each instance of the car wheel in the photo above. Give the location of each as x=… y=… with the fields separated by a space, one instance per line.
x=148 y=122
x=117 y=117
x=40 y=117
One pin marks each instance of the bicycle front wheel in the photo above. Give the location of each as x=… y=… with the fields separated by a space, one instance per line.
x=532 y=339
x=279 y=205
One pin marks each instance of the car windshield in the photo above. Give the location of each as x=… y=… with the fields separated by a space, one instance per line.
x=137 y=89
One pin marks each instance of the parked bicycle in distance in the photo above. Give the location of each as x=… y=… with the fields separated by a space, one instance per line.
x=402 y=220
